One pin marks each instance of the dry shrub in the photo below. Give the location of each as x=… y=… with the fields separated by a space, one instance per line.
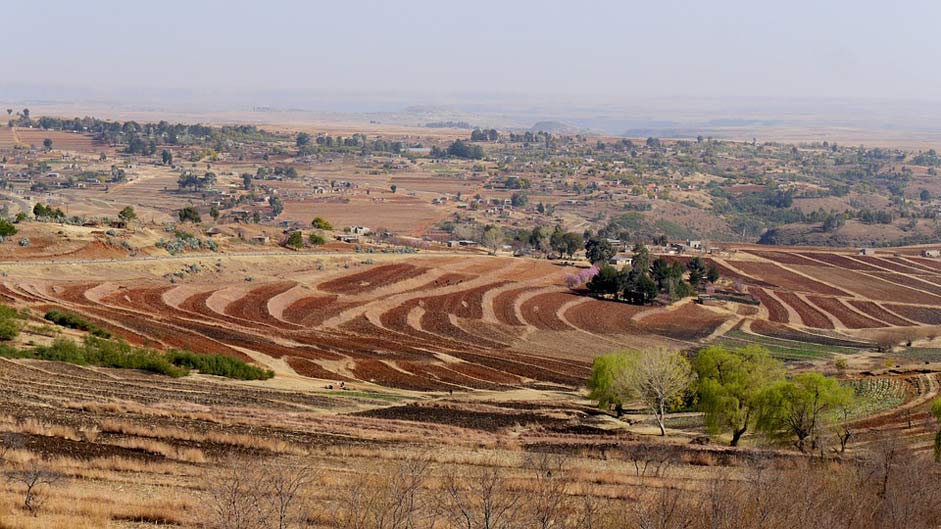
x=189 y=455
x=238 y=440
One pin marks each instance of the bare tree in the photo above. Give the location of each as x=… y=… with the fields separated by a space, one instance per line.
x=549 y=501
x=233 y=497
x=285 y=484
x=481 y=500
x=390 y=499
x=658 y=379
x=37 y=479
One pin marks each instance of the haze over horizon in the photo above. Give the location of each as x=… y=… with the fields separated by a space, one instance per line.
x=607 y=52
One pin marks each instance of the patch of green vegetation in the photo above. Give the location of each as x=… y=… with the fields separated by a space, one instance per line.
x=223 y=366
x=873 y=395
x=922 y=354
x=787 y=350
x=101 y=352
x=74 y=321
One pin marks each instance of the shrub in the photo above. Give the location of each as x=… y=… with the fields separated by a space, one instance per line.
x=321 y=223
x=220 y=365
x=74 y=321
x=7 y=228
x=316 y=239
x=8 y=329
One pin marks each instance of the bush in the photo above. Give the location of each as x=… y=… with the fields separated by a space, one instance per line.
x=316 y=239
x=73 y=321
x=220 y=365
x=7 y=228
x=321 y=223
x=8 y=329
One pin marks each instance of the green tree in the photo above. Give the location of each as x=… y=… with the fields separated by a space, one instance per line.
x=393 y=188
x=295 y=240
x=599 y=251
x=608 y=280
x=47 y=143
x=189 y=214
x=712 y=273
x=214 y=213
x=697 y=271
x=606 y=370
x=321 y=223
x=796 y=408
x=127 y=214
x=167 y=157
x=731 y=386
x=303 y=139
x=316 y=239
x=7 y=228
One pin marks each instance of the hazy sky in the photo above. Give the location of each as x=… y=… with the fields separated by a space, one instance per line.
x=592 y=49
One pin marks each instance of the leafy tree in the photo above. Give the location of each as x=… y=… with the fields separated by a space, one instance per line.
x=246 y=181
x=599 y=251
x=189 y=214
x=167 y=157
x=7 y=228
x=712 y=273
x=393 y=188
x=295 y=240
x=640 y=289
x=47 y=143
x=303 y=139
x=519 y=199
x=606 y=370
x=214 y=213
x=127 y=214
x=608 y=280
x=697 y=271
x=731 y=386
x=321 y=223
x=316 y=239
x=462 y=149
x=796 y=407
x=277 y=206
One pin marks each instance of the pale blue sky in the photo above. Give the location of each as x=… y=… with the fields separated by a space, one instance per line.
x=589 y=49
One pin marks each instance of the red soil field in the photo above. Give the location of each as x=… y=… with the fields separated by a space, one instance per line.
x=911 y=281
x=503 y=306
x=809 y=315
x=689 y=322
x=878 y=312
x=313 y=311
x=871 y=287
x=308 y=368
x=783 y=257
x=776 y=311
x=927 y=263
x=840 y=261
x=785 y=279
x=724 y=270
x=929 y=315
x=540 y=311
x=381 y=373
x=604 y=317
x=253 y=307
x=888 y=264
x=847 y=316
x=371 y=279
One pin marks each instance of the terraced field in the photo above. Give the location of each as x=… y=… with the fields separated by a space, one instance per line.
x=421 y=324
x=842 y=294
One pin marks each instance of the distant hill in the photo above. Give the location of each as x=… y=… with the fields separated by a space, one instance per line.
x=553 y=127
